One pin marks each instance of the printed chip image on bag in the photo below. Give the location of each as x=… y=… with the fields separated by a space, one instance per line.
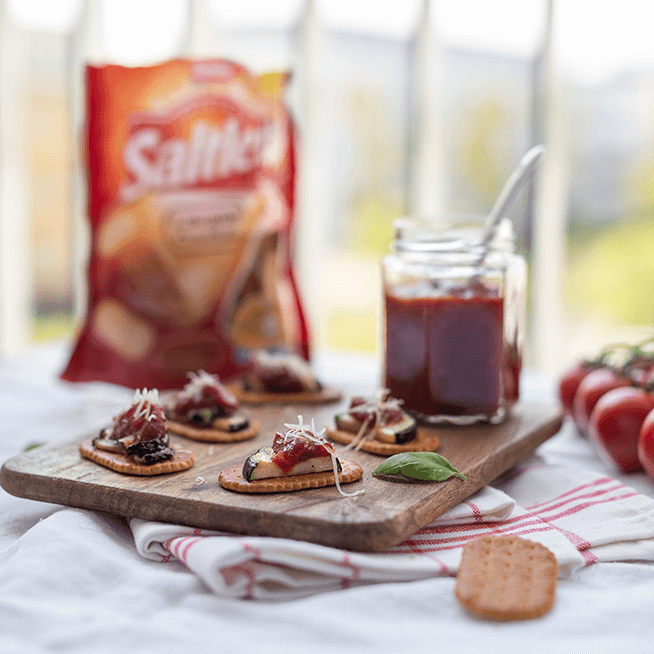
x=191 y=207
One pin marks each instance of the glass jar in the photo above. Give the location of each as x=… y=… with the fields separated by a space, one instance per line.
x=453 y=319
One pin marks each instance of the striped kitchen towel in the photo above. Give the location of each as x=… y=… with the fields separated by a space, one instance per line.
x=582 y=516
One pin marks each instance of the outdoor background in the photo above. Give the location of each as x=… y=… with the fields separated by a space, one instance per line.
x=402 y=107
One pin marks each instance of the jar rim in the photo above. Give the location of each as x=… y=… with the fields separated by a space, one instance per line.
x=449 y=233
x=442 y=219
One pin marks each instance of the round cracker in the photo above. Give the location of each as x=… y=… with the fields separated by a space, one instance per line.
x=209 y=435
x=423 y=442
x=182 y=460
x=323 y=396
x=232 y=479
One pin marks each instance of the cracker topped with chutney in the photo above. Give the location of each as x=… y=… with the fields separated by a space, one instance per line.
x=299 y=458
x=138 y=442
x=206 y=410
x=379 y=425
x=281 y=377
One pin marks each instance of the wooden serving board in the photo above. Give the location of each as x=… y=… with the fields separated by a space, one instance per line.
x=386 y=514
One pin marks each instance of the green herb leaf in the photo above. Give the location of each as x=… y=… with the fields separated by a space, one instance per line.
x=423 y=466
x=32 y=446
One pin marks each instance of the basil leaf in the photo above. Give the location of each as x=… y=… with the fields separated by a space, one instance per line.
x=393 y=464
x=423 y=466
x=397 y=477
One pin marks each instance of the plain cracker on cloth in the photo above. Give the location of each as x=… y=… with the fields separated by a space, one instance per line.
x=182 y=460
x=506 y=578
x=232 y=479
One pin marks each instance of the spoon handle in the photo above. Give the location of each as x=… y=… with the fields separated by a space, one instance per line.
x=510 y=190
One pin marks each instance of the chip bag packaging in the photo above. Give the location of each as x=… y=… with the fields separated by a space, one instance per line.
x=191 y=206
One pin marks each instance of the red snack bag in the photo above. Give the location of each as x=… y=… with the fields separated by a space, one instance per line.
x=191 y=202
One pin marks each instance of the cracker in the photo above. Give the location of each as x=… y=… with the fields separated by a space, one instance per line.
x=182 y=460
x=209 y=435
x=423 y=442
x=322 y=396
x=506 y=578
x=232 y=479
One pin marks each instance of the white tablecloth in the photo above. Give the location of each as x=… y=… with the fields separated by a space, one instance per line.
x=73 y=581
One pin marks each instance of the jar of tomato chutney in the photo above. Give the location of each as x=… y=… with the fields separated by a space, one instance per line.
x=453 y=319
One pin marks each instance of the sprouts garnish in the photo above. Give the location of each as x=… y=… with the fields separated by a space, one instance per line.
x=197 y=381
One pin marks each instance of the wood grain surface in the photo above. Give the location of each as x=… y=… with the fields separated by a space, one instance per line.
x=386 y=514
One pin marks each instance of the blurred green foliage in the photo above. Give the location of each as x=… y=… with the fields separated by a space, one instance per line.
x=610 y=270
x=48 y=327
x=350 y=330
x=372 y=231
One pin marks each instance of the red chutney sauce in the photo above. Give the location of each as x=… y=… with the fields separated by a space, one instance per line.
x=291 y=449
x=445 y=351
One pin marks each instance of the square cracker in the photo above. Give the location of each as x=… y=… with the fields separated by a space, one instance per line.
x=506 y=578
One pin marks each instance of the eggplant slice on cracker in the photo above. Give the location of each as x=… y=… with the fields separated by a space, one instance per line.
x=138 y=442
x=206 y=410
x=278 y=376
x=299 y=458
x=380 y=426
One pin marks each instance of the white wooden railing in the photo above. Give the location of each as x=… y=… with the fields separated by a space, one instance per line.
x=202 y=35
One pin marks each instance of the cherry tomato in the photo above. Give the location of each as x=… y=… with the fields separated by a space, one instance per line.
x=615 y=424
x=589 y=391
x=570 y=381
x=646 y=444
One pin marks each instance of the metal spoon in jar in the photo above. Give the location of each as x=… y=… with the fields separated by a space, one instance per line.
x=508 y=194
